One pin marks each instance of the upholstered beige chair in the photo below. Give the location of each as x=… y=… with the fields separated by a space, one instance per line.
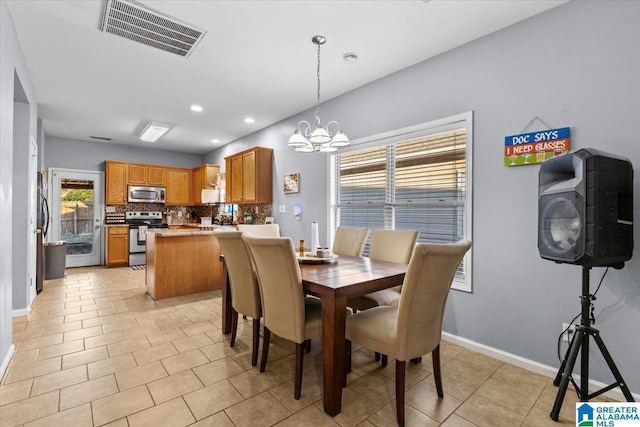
x=286 y=311
x=392 y=246
x=350 y=241
x=245 y=294
x=263 y=230
x=413 y=327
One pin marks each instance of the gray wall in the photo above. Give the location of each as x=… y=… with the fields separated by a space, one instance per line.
x=74 y=154
x=21 y=291
x=576 y=65
x=11 y=64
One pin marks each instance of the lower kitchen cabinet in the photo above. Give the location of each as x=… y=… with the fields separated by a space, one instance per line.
x=117 y=248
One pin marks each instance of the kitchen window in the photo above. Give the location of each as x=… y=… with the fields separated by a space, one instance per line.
x=417 y=178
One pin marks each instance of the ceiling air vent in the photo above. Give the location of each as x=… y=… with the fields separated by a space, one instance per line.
x=134 y=21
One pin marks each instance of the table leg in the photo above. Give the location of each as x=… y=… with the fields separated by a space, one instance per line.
x=227 y=311
x=333 y=352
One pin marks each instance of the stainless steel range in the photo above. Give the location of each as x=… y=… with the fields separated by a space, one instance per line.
x=139 y=223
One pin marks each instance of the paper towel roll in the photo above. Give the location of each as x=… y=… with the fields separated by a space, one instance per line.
x=315 y=240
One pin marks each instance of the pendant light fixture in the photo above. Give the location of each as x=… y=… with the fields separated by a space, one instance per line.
x=308 y=139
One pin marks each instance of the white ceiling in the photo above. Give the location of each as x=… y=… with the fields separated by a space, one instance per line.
x=256 y=60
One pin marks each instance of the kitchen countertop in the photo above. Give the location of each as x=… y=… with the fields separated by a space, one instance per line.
x=201 y=231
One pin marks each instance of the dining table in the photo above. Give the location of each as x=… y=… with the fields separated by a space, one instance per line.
x=333 y=282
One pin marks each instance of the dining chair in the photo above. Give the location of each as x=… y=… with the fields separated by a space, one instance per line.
x=263 y=230
x=391 y=246
x=350 y=241
x=245 y=294
x=286 y=311
x=413 y=327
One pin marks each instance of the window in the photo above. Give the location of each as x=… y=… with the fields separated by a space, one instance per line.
x=410 y=179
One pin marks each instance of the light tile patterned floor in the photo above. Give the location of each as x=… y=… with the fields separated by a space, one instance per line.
x=97 y=350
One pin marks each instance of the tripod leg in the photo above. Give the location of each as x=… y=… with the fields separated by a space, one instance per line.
x=566 y=375
x=613 y=367
x=556 y=381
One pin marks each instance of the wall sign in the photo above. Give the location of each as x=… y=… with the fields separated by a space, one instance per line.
x=292 y=183
x=535 y=147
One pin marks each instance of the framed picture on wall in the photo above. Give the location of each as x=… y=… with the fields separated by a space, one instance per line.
x=292 y=183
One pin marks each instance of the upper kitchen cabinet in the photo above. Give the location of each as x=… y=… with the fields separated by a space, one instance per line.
x=203 y=178
x=249 y=176
x=146 y=174
x=116 y=182
x=178 y=186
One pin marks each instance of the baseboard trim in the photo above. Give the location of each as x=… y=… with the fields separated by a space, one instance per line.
x=529 y=365
x=22 y=312
x=7 y=359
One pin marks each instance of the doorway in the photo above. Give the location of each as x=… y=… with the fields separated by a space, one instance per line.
x=77 y=203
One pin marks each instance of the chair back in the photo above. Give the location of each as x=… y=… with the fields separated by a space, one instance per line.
x=393 y=245
x=280 y=285
x=245 y=294
x=424 y=294
x=264 y=230
x=350 y=241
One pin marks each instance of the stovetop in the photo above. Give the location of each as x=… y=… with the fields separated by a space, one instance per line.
x=150 y=219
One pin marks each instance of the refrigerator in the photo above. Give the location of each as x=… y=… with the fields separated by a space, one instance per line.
x=42 y=228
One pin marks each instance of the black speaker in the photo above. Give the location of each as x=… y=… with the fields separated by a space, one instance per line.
x=585 y=209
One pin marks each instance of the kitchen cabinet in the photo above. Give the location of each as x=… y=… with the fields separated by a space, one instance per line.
x=249 y=176
x=117 y=248
x=178 y=186
x=146 y=174
x=203 y=177
x=116 y=183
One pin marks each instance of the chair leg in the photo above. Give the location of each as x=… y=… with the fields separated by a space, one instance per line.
x=435 y=355
x=265 y=349
x=256 y=341
x=299 y=365
x=377 y=357
x=417 y=360
x=385 y=360
x=234 y=327
x=307 y=345
x=400 y=383
x=347 y=362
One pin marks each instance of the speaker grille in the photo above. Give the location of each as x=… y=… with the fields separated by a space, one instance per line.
x=561 y=229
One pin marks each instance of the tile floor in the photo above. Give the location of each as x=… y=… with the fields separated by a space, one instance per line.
x=97 y=350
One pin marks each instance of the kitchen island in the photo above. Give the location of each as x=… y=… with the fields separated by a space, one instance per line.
x=182 y=262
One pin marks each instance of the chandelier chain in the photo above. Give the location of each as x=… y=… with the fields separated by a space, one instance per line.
x=318 y=95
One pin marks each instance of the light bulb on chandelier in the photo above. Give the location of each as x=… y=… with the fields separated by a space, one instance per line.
x=308 y=139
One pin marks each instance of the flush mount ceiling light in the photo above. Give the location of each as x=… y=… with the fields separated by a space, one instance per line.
x=319 y=138
x=196 y=108
x=249 y=120
x=153 y=131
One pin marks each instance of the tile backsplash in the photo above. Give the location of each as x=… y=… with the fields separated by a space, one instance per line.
x=258 y=212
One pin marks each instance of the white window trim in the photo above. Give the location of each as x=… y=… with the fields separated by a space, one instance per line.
x=413 y=132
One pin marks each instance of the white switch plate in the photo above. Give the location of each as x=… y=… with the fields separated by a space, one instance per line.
x=110 y=209
x=282 y=209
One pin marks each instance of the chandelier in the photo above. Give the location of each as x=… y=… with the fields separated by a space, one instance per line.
x=319 y=138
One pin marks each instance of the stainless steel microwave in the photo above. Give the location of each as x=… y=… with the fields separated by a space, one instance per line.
x=145 y=194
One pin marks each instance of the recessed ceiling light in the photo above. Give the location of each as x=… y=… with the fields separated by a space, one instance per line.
x=249 y=120
x=196 y=108
x=215 y=141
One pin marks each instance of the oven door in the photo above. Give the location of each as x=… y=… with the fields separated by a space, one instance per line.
x=135 y=246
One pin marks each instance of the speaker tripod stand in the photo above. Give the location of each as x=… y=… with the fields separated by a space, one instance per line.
x=580 y=342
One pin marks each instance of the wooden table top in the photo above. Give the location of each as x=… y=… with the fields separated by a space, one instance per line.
x=351 y=276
